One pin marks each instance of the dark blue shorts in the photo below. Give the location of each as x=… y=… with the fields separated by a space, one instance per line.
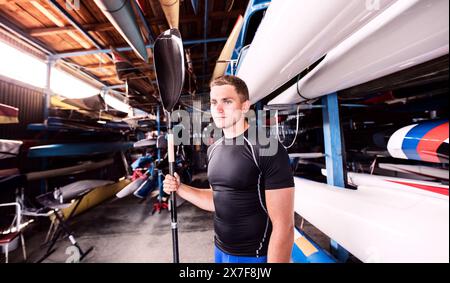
x=222 y=257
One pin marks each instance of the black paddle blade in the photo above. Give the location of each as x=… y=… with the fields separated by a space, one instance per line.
x=169 y=67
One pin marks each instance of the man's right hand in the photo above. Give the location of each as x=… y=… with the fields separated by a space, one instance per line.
x=171 y=183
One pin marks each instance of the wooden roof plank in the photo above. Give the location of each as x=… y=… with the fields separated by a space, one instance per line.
x=24 y=14
x=41 y=20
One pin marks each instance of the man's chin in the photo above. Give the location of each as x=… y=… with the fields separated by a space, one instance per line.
x=220 y=126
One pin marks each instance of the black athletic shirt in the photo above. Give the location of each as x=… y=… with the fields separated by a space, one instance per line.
x=239 y=175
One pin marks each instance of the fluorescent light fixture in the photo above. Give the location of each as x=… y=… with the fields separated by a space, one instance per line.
x=69 y=86
x=117 y=104
x=21 y=66
x=139 y=112
x=26 y=68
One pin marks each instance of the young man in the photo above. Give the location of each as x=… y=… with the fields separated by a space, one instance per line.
x=252 y=194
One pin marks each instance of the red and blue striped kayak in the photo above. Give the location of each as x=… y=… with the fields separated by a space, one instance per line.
x=426 y=141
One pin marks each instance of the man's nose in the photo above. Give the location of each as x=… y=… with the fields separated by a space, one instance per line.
x=219 y=107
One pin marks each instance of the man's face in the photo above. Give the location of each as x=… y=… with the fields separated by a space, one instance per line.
x=226 y=106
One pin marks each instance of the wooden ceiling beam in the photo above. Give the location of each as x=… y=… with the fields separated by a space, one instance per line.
x=46 y=10
x=5 y=2
x=137 y=65
x=57 y=21
x=66 y=29
x=219 y=43
x=146 y=75
x=107 y=26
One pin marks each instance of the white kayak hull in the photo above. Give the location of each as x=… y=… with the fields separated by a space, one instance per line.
x=417 y=170
x=131 y=188
x=377 y=224
x=425 y=188
x=407 y=34
x=9 y=148
x=296 y=33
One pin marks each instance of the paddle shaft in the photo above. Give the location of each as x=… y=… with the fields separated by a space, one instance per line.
x=173 y=203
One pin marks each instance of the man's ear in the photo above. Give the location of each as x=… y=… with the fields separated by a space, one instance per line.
x=246 y=106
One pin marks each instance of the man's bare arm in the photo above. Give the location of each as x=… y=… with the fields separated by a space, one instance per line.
x=280 y=206
x=202 y=198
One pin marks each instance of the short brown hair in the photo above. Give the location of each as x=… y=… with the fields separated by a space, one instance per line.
x=239 y=85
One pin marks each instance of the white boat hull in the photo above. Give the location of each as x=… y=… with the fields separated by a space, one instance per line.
x=416 y=169
x=407 y=34
x=296 y=33
x=377 y=224
x=425 y=188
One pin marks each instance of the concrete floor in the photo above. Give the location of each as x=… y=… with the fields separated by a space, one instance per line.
x=124 y=230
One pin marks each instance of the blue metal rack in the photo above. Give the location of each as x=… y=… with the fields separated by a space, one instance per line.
x=334 y=157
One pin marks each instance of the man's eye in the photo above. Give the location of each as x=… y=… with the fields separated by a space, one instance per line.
x=228 y=102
